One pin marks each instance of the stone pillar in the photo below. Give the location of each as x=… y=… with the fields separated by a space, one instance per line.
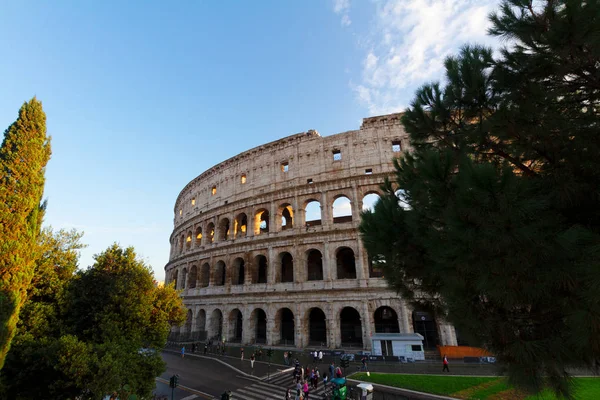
x=251 y=221
x=225 y=327
x=447 y=333
x=247 y=333
x=299 y=214
x=354 y=204
x=273 y=226
x=270 y=330
x=366 y=324
x=362 y=269
x=272 y=264
x=406 y=319
x=300 y=330
x=326 y=218
x=328 y=267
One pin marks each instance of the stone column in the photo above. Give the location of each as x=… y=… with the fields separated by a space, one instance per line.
x=447 y=334
x=362 y=270
x=300 y=331
x=246 y=326
x=270 y=330
x=328 y=273
x=354 y=204
x=326 y=218
x=406 y=319
x=250 y=220
x=299 y=214
x=272 y=264
x=366 y=322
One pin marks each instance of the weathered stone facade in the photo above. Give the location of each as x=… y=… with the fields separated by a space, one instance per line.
x=254 y=269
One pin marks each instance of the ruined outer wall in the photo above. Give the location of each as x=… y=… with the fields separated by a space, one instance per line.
x=218 y=198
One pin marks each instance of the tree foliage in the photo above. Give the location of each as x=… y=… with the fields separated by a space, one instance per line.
x=81 y=332
x=24 y=154
x=500 y=233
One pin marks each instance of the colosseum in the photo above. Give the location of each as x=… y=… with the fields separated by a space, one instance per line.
x=266 y=249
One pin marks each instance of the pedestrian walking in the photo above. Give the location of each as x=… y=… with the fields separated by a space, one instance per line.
x=317 y=377
x=205 y=348
x=183 y=352
x=331 y=369
x=242 y=353
x=305 y=389
x=364 y=363
x=285 y=358
x=315 y=356
x=288 y=395
x=445 y=362
x=252 y=361
x=320 y=356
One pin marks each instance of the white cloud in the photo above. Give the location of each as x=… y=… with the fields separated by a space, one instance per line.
x=408 y=44
x=342 y=7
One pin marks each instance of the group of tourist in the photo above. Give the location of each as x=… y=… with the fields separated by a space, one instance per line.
x=307 y=379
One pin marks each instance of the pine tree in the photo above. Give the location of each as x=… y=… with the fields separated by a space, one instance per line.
x=500 y=233
x=24 y=154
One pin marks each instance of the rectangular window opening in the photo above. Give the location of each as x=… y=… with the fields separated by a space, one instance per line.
x=213 y=191
x=194 y=201
x=337 y=155
x=243 y=179
x=309 y=181
x=396 y=146
x=369 y=171
x=285 y=166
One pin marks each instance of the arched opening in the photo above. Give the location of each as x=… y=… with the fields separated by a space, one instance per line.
x=201 y=322
x=351 y=327
x=313 y=213
x=285 y=320
x=216 y=325
x=317 y=329
x=239 y=272
x=369 y=201
x=386 y=320
x=376 y=265
x=424 y=324
x=187 y=328
x=184 y=278
x=287 y=216
x=259 y=273
x=220 y=273
x=224 y=229
x=287 y=267
x=193 y=277
x=346 y=263
x=314 y=265
x=174 y=277
x=240 y=225
x=210 y=229
x=342 y=210
x=235 y=326
x=198 y=236
x=259 y=320
x=181 y=240
x=188 y=241
x=261 y=222
x=205 y=275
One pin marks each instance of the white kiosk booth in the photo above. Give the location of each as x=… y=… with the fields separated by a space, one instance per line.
x=407 y=345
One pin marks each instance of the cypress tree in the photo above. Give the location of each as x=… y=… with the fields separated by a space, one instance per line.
x=24 y=154
x=500 y=233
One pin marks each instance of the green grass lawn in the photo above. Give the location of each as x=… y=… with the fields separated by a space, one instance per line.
x=473 y=387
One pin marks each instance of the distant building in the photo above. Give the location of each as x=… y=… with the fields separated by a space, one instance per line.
x=266 y=248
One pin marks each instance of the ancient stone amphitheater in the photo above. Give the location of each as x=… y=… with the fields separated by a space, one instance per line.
x=266 y=249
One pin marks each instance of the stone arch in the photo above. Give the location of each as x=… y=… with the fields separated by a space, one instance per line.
x=314 y=265
x=260 y=269
x=184 y=278
x=174 y=278
x=201 y=321
x=216 y=324
x=193 y=277
x=198 y=236
x=346 y=263
x=284 y=331
x=341 y=209
x=235 y=326
x=224 y=229
x=350 y=327
x=238 y=272
x=210 y=231
x=261 y=221
x=369 y=200
x=205 y=275
x=187 y=327
x=386 y=320
x=376 y=264
x=240 y=225
x=188 y=240
x=220 y=273
x=424 y=323
x=285 y=217
x=286 y=270
x=258 y=325
x=316 y=321
x=312 y=209
x=180 y=241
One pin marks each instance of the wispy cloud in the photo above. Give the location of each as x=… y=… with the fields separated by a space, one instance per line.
x=342 y=7
x=408 y=44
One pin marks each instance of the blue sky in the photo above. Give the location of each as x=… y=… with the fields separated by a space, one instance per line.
x=141 y=97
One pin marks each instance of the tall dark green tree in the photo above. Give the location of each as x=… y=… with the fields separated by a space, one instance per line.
x=499 y=227
x=24 y=154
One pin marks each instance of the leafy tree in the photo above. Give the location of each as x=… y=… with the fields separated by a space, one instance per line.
x=498 y=229
x=101 y=317
x=24 y=154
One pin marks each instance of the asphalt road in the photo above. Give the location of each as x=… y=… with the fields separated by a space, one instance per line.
x=202 y=377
